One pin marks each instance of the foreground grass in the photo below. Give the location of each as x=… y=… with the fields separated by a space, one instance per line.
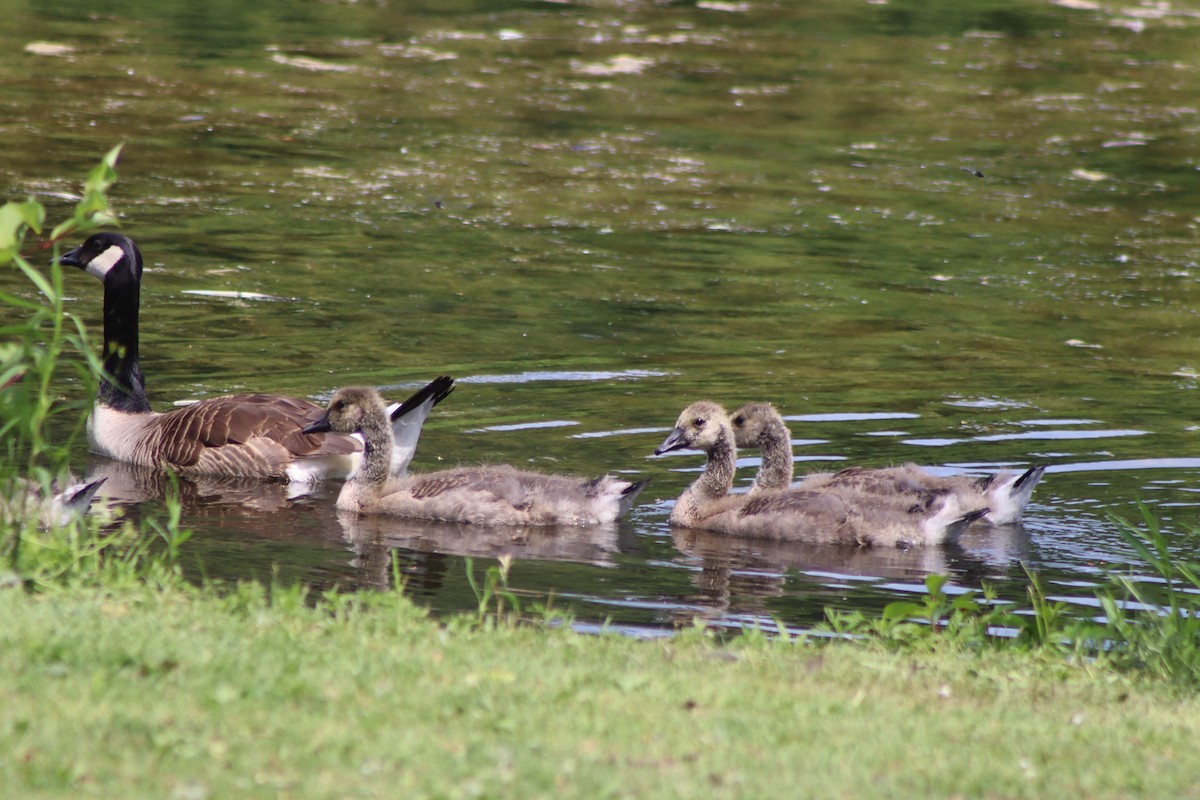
x=184 y=694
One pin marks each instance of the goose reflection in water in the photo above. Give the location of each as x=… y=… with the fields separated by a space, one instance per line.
x=594 y=544
x=130 y=484
x=733 y=573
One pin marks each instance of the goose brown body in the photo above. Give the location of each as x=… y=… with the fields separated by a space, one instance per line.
x=833 y=516
x=484 y=495
x=239 y=435
x=1005 y=494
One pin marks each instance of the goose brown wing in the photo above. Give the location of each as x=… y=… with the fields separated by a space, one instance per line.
x=188 y=433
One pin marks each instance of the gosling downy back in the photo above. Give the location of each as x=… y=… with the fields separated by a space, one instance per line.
x=835 y=516
x=491 y=495
x=846 y=517
x=1005 y=493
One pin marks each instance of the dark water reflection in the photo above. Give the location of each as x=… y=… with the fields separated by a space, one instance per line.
x=958 y=233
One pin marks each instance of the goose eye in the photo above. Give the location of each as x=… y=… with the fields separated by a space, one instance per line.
x=340 y=405
x=739 y=420
x=698 y=422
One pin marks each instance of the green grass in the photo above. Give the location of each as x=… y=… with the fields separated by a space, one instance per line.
x=181 y=693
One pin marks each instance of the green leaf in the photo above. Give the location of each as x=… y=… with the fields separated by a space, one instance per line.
x=104 y=174
x=902 y=609
x=93 y=210
x=37 y=278
x=15 y=217
x=34 y=214
x=965 y=602
x=934 y=584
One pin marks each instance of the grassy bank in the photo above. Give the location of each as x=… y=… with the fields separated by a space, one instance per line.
x=181 y=693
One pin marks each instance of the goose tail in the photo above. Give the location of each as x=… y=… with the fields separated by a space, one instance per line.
x=950 y=521
x=426 y=397
x=409 y=417
x=957 y=526
x=1009 y=498
x=71 y=503
x=629 y=496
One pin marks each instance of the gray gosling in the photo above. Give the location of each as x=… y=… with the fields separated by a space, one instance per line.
x=24 y=499
x=759 y=425
x=835 y=516
x=485 y=495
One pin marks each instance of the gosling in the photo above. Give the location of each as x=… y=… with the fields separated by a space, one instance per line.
x=837 y=515
x=759 y=425
x=485 y=495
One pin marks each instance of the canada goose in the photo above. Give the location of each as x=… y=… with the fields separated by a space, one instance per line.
x=498 y=495
x=835 y=516
x=25 y=499
x=760 y=425
x=241 y=435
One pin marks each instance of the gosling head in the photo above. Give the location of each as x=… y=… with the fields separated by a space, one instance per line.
x=700 y=427
x=108 y=256
x=752 y=423
x=347 y=411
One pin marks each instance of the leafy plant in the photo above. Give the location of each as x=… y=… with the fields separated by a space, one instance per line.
x=938 y=616
x=494 y=589
x=46 y=345
x=1157 y=631
x=33 y=358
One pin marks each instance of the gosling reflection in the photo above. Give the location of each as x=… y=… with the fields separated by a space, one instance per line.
x=742 y=576
x=594 y=544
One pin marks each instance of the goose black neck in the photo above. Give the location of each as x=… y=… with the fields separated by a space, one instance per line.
x=122 y=386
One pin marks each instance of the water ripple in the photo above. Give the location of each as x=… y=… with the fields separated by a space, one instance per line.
x=565 y=375
x=1040 y=435
x=851 y=416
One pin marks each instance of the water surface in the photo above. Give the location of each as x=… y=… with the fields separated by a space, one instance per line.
x=962 y=234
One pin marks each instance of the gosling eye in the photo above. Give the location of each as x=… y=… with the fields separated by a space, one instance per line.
x=739 y=420
x=340 y=405
x=698 y=422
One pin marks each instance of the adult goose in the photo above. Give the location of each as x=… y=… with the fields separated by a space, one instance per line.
x=485 y=495
x=239 y=435
x=834 y=516
x=1005 y=493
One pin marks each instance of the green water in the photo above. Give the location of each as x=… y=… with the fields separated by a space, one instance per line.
x=968 y=229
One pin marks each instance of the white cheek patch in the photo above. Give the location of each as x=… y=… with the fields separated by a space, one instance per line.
x=103 y=263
